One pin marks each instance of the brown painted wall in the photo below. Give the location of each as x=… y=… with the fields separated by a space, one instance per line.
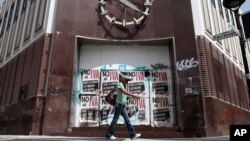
x=220 y=115
x=190 y=107
x=59 y=85
x=168 y=18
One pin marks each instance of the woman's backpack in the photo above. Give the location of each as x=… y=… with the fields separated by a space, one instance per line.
x=111 y=97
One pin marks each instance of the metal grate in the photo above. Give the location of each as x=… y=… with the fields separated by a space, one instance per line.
x=226 y=79
x=218 y=80
x=4 y=71
x=202 y=56
x=12 y=71
x=220 y=77
x=19 y=73
x=12 y=79
x=44 y=64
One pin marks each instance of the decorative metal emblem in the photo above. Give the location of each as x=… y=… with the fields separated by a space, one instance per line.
x=136 y=20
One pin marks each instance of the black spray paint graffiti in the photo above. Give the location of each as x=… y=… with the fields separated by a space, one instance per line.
x=60 y=72
x=186 y=64
x=54 y=90
x=160 y=67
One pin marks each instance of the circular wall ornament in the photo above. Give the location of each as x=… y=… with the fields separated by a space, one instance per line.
x=125 y=12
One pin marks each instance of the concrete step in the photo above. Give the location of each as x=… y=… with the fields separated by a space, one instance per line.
x=121 y=131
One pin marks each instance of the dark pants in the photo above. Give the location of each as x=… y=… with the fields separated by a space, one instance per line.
x=120 y=110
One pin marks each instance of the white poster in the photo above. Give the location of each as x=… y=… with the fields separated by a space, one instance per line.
x=89 y=98
x=109 y=81
x=138 y=109
x=161 y=99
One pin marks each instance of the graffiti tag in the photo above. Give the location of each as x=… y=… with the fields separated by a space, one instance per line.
x=53 y=90
x=60 y=72
x=160 y=67
x=186 y=64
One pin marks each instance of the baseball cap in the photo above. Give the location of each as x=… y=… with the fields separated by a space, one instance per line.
x=122 y=75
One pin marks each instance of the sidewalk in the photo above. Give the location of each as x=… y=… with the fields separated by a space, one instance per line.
x=62 y=138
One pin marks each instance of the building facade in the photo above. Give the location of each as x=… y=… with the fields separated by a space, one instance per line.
x=221 y=67
x=59 y=59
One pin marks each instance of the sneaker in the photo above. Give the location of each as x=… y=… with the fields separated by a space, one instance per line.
x=136 y=136
x=111 y=138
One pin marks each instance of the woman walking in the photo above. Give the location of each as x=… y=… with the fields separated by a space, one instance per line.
x=120 y=109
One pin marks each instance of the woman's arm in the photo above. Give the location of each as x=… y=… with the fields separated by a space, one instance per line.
x=128 y=93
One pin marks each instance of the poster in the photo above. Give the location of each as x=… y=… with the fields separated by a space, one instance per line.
x=109 y=81
x=89 y=98
x=161 y=99
x=138 y=110
x=90 y=81
x=89 y=110
x=155 y=107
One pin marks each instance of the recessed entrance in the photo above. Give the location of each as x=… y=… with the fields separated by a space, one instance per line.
x=148 y=63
